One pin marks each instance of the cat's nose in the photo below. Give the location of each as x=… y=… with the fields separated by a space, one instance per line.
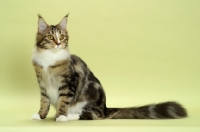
x=58 y=43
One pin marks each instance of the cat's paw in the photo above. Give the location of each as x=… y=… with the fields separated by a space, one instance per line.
x=35 y=117
x=62 y=118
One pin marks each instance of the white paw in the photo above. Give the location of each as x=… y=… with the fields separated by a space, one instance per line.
x=36 y=117
x=73 y=116
x=62 y=118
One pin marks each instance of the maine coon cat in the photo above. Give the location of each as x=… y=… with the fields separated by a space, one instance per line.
x=67 y=83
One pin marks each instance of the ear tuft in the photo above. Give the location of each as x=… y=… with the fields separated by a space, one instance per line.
x=67 y=15
x=39 y=16
x=42 y=25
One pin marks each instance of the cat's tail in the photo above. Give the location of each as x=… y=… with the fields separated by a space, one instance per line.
x=166 y=110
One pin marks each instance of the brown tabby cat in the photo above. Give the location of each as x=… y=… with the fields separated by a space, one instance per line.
x=67 y=83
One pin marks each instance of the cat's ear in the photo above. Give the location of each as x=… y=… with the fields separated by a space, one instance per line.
x=42 y=25
x=63 y=23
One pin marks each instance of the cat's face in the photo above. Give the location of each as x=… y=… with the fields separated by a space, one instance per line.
x=52 y=37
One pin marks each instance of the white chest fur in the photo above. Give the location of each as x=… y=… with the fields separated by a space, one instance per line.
x=47 y=58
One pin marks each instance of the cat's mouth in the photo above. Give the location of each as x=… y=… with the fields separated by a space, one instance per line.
x=58 y=46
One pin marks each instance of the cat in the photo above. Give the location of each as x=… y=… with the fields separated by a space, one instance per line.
x=70 y=86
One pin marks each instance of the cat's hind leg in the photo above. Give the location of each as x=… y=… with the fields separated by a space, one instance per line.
x=90 y=115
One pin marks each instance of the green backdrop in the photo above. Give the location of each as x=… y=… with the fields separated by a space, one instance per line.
x=142 y=51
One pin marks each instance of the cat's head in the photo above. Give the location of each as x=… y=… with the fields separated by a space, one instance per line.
x=52 y=36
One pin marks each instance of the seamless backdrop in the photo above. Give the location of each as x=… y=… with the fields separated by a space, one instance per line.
x=142 y=51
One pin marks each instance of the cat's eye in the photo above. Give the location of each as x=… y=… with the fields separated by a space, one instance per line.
x=50 y=37
x=62 y=37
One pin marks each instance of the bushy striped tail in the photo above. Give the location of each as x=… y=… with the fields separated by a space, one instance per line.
x=166 y=110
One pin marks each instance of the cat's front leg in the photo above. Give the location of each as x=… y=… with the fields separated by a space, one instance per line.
x=65 y=97
x=44 y=107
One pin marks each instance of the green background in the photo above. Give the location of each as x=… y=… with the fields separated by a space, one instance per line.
x=142 y=51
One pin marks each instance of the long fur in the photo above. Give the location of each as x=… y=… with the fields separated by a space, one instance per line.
x=67 y=83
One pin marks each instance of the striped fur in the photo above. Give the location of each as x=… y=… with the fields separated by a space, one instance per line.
x=166 y=110
x=67 y=83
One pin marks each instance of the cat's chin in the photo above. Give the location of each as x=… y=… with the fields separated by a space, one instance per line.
x=58 y=46
x=55 y=50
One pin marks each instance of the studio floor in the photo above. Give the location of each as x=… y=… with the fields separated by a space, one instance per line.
x=17 y=111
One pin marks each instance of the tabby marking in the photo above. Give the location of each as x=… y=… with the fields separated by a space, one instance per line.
x=68 y=84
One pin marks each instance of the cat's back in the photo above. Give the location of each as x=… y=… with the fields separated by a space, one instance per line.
x=79 y=65
x=76 y=60
x=84 y=72
x=82 y=69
